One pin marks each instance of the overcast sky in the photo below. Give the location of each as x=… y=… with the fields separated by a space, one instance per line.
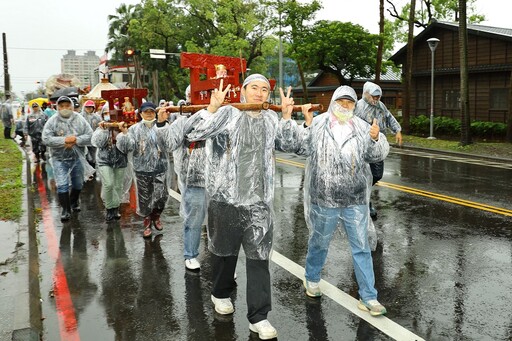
x=40 y=31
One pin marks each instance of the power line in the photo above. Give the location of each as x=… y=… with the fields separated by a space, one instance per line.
x=48 y=49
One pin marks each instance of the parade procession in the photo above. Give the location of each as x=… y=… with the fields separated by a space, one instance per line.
x=253 y=170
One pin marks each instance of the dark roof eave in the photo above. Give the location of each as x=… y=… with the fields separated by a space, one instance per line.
x=400 y=54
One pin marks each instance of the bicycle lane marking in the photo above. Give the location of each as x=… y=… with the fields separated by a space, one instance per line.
x=68 y=325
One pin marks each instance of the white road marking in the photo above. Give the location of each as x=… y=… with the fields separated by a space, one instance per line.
x=382 y=323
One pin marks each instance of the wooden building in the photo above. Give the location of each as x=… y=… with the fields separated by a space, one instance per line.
x=321 y=89
x=489 y=68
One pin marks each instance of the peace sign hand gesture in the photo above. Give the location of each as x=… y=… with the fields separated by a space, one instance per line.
x=286 y=103
x=217 y=97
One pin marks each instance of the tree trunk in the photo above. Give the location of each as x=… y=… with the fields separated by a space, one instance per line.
x=465 y=120
x=406 y=108
x=509 y=116
x=380 y=47
x=303 y=82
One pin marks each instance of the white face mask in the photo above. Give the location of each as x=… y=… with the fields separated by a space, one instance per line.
x=106 y=118
x=148 y=123
x=66 y=113
x=342 y=114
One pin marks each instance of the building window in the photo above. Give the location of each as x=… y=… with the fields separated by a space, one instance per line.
x=126 y=78
x=451 y=99
x=421 y=99
x=499 y=99
x=389 y=102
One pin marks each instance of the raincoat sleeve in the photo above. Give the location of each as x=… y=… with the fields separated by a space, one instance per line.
x=49 y=138
x=172 y=135
x=390 y=121
x=211 y=124
x=125 y=143
x=376 y=151
x=288 y=136
x=100 y=138
x=304 y=143
x=84 y=132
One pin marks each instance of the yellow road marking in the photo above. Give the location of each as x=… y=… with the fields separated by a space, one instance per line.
x=453 y=200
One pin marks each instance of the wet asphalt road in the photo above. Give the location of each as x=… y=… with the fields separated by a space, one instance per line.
x=443 y=270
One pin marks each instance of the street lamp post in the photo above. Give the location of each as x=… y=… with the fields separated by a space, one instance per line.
x=432 y=43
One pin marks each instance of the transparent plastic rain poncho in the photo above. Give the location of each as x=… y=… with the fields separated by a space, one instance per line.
x=149 y=163
x=337 y=169
x=240 y=174
x=93 y=119
x=189 y=157
x=55 y=131
x=111 y=150
x=368 y=109
x=34 y=124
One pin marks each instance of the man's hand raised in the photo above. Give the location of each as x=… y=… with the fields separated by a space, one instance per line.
x=217 y=97
x=374 y=130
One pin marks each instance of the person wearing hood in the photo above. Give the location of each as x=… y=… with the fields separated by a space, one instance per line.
x=111 y=156
x=66 y=134
x=150 y=167
x=34 y=125
x=189 y=164
x=7 y=118
x=370 y=107
x=339 y=147
x=240 y=185
x=19 y=129
x=93 y=118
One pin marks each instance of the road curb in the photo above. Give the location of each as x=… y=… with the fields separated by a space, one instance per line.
x=27 y=319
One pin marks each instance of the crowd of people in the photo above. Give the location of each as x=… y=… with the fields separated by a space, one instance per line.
x=224 y=161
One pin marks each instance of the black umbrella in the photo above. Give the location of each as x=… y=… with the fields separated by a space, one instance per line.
x=71 y=91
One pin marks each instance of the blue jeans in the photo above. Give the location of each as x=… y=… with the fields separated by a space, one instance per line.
x=355 y=220
x=64 y=170
x=194 y=211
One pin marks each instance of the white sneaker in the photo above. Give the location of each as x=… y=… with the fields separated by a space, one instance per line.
x=312 y=288
x=192 y=264
x=264 y=329
x=223 y=305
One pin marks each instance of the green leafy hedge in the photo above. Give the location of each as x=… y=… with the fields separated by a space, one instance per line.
x=445 y=126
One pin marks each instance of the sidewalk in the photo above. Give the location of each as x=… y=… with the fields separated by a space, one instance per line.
x=20 y=312
x=453 y=153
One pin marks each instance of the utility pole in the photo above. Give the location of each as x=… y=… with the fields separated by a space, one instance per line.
x=7 y=80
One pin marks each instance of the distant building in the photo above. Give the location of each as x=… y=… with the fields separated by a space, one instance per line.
x=489 y=71
x=83 y=66
x=321 y=88
x=124 y=75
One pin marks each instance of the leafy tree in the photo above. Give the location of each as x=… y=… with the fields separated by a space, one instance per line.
x=118 y=32
x=342 y=49
x=445 y=10
x=294 y=15
x=159 y=27
x=227 y=27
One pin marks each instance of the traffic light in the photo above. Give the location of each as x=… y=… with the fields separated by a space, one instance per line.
x=131 y=52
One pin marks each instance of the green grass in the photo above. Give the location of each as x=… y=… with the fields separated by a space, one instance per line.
x=493 y=149
x=11 y=184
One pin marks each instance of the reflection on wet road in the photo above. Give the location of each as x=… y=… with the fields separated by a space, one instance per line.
x=443 y=269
